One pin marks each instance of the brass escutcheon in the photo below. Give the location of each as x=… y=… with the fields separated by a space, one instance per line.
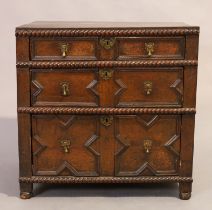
x=65 y=144
x=148 y=87
x=106 y=120
x=149 y=48
x=107 y=43
x=106 y=73
x=64 y=89
x=64 y=49
x=147 y=145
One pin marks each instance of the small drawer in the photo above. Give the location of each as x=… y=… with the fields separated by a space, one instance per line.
x=149 y=87
x=151 y=48
x=64 y=88
x=63 y=49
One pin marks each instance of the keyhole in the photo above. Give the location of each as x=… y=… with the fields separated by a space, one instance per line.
x=106 y=120
x=108 y=43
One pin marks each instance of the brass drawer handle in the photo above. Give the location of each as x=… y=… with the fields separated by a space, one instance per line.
x=106 y=120
x=148 y=87
x=64 y=89
x=65 y=144
x=64 y=49
x=149 y=48
x=147 y=145
x=107 y=43
x=105 y=74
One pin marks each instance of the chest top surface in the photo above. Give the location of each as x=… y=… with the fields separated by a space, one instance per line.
x=78 y=24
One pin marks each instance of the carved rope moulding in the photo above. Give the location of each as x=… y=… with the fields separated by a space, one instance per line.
x=67 y=110
x=75 y=180
x=103 y=32
x=102 y=64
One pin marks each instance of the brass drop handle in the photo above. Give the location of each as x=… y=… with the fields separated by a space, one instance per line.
x=65 y=144
x=65 y=89
x=149 y=48
x=147 y=145
x=148 y=87
x=64 y=49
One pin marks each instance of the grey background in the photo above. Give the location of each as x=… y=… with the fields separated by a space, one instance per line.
x=14 y=13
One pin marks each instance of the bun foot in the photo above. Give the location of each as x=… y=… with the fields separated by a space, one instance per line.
x=185 y=196
x=25 y=195
x=185 y=190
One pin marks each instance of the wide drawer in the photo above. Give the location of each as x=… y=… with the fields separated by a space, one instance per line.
x=118 y=145
x=63 y=49
x=64 y=88
x=148 y=87
x=119 y=87
x=151 y=48
x=107 y=48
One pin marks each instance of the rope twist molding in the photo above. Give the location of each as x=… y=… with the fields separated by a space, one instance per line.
x=102 y=64
x=58 y=179
x=68 y=110
x=104 y=32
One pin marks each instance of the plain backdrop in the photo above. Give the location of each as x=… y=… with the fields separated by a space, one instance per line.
x=18 y=12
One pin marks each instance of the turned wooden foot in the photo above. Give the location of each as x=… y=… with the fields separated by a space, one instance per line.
x=26 y=190
x=185 y=190
x=25 y=195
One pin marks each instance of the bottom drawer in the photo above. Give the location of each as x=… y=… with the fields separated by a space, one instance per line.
x=95 y=145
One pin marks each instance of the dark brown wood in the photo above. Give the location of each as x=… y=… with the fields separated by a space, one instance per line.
x=166 y=90
x=190 y=86
x=106 y=103
x=103 y=179
x=96 y=24
x=25 y=160
x=50 y=158
x=164 y=48
x=186 y=157
x=47 y=90
x=104 y=29
x=24 y=123
x=163 y=131
x=23 y=87
x=68 y=110
x=22 y=49
x=78 y=49
x=105 y=64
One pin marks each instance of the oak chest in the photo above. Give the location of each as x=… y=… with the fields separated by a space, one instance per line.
x=106 y=103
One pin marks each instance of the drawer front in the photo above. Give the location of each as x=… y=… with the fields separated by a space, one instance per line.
x=64 y=49
x=64 y=88
x=147 y=145
x=151 y=48
x=159 y=87
x=65 y=145
x=111 y=48
x=80 y=145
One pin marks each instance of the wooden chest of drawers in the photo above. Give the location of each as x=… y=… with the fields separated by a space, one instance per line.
x=106 y=103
